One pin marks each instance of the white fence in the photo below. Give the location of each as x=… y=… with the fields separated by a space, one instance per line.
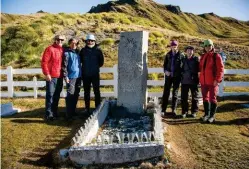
x=10 y=84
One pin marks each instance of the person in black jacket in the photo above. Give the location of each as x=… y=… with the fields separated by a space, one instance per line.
x=91 y=60
x=190 y=81
x=172 y=69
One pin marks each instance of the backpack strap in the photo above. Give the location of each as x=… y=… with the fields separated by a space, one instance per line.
x=214 y=65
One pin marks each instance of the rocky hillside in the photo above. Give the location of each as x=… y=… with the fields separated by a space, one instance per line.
x=24 y=37
x=171 y=17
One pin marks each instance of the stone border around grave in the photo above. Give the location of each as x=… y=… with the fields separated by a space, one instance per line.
x=84 y=152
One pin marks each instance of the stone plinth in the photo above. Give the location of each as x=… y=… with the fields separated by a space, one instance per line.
x=114 y=154
x=132 y=71
x=8 y=110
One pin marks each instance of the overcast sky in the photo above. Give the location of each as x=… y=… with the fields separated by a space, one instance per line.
x=234 y=8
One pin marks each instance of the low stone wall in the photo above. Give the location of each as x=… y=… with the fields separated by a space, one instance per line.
x=89 y=149
x=91 y=126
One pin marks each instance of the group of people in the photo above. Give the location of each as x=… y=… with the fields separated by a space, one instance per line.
x=72 y=66
x=190 y=71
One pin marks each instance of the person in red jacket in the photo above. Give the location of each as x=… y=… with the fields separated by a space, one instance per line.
x=211 y=73
x=51 y=68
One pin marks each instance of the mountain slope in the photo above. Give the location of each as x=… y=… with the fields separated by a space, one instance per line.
x=171 y=17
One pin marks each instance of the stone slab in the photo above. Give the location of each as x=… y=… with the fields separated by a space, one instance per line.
x=133 y=71
x=115 y=154
x=8 y=110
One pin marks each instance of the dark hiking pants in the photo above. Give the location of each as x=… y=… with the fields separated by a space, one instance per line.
x=53 y=90
x=95 y=81
x=73 y=90
x=169 y=81
x=184 y=97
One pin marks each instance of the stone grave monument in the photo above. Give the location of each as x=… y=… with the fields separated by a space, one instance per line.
x=132 y=71
x=91 y=146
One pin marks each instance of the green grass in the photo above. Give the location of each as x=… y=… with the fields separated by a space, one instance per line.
x=29 y=142
x=223 y=144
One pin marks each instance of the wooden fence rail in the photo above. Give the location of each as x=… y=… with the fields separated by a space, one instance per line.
x=35 y=84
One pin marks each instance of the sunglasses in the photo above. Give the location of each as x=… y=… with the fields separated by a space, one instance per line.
x=90 y=40
x=207 y=45
x=60 y=40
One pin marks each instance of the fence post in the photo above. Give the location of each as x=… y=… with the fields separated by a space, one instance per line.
x=35 y=87
x=115 y=78
x=10 y=81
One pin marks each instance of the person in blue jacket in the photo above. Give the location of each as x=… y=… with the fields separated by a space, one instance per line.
x=72 y=74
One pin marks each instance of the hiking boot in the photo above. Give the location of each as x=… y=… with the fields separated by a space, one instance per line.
x=184 y=115
x=205 y=118
x=174 y=113
x=194 y=115
x=211 y=119
x=213 y=109
x=206 y=108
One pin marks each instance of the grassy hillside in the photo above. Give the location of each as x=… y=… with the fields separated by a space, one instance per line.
x=24 y=37
x=171 y=17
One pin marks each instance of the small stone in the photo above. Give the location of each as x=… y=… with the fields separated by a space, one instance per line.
x=146 y=165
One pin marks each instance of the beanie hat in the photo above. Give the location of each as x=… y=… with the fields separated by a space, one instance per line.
x=173 y=43
x=208 y=42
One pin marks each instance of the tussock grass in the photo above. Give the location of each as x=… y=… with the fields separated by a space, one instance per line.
x=23 y=43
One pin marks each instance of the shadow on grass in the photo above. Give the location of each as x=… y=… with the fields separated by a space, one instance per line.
x=177 y=121
x=35 y=113
x=181 y=121
x=230 y=107
x=238 y=121
x=42 y=156
x=240 y=98
x=45 y=154
x=172 y=119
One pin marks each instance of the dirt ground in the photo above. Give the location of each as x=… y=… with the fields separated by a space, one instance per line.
x=179 y=150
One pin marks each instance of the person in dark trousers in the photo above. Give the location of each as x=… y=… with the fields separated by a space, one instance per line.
x=92 y=59
x=190 y=81
x=51 y=67
x=72 y=75
x=211 y=73
x=172 y=69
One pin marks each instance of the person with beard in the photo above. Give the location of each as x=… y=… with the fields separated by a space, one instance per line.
x=91 y=60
